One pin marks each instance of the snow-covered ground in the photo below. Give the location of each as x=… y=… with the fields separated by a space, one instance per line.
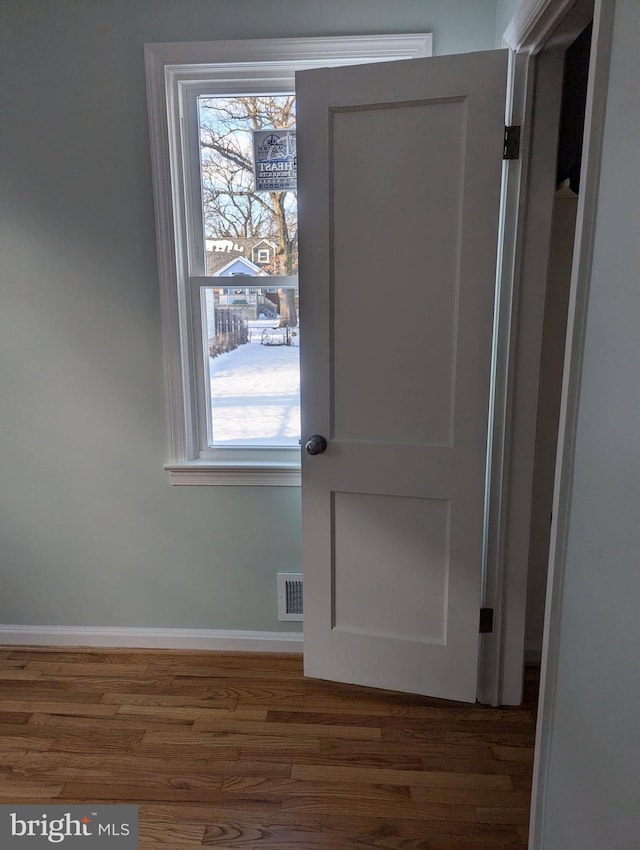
x=255 y=392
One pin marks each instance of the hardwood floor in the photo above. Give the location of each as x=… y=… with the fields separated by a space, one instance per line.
x=240 y=751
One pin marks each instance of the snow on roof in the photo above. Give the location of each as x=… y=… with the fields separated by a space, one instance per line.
x=238 y=244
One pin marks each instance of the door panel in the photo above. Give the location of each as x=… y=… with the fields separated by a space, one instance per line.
x=399 y=188
x=371 y=532
x=382 y=386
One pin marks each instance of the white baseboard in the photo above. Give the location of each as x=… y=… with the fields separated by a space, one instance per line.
x=135 y=638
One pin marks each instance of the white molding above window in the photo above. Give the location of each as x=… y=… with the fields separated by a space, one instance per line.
x=176 y=74
x=306 y=52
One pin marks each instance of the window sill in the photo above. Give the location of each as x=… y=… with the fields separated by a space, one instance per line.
x=201 y=473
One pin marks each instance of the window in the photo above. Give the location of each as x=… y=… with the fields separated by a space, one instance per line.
x=231 y=345
x=251 y=391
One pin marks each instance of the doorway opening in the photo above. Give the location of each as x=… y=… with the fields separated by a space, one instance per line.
x=565 y=205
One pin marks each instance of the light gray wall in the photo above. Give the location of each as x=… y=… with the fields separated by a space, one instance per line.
x=593 y=772
x=91 y=532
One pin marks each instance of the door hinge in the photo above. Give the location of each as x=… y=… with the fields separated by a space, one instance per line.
x=486 y=621
x=511 y=145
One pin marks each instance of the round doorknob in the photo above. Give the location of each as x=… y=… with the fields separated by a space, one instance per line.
x=316 y=445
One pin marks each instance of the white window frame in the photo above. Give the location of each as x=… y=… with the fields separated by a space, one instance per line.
x=177 y=73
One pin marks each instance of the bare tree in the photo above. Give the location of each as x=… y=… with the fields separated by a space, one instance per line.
x=229 y=211
x=232 y=207
x=288 y=311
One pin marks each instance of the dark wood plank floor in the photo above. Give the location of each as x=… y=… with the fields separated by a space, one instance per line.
x=240 y=751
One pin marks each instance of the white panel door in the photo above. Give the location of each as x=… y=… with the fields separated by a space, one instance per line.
x=399 y=190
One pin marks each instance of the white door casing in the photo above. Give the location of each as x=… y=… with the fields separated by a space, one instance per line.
x=399 y=190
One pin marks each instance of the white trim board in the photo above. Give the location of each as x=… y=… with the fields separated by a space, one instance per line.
x=533 y=22
x=576 y=329
x=138 y=638
x=538 y=34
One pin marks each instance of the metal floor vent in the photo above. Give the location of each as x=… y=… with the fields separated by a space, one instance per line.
x=290 y=596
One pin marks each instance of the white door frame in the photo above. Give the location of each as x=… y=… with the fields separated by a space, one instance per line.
x=538 y=36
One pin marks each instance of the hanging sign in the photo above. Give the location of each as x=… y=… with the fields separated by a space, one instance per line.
x=274 y=160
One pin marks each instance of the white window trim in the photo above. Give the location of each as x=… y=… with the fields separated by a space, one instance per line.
x=176 y=72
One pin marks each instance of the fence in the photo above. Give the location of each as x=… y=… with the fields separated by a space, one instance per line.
x=230 y=331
